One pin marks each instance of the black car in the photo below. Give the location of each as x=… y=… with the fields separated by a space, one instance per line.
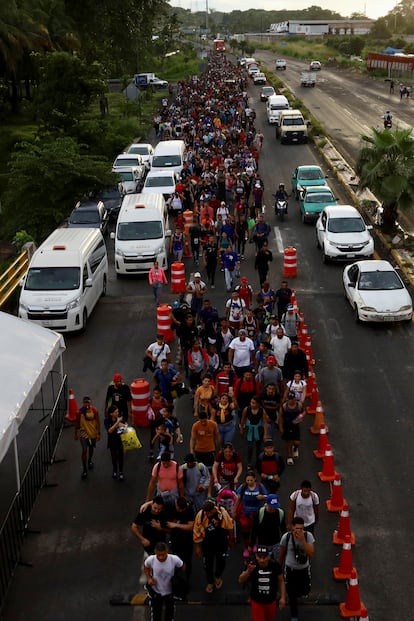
x=112 y=200
x=89 y=214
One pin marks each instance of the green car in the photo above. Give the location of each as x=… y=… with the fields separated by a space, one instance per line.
x=313 y=199
x=305 y=176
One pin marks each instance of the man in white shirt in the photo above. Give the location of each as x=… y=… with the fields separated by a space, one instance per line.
x=159 y=569
x=235 y=311
x=241 y=352
x=157 y=351
x=280 y=345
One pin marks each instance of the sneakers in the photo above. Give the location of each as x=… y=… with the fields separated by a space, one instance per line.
x=114 y=475
x=213 y=286
x=90 y=465
x=84 y=475
x=121 y=476
x=290 y=461
x=295 y=451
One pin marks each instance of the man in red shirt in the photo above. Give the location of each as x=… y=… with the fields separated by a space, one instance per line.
x=245 y=291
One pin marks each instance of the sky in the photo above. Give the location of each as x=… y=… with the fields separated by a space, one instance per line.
x=371 y=8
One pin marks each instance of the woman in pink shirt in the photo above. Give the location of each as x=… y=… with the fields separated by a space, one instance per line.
x=157 y=279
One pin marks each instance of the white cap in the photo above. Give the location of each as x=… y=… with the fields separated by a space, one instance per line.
x=197 y=275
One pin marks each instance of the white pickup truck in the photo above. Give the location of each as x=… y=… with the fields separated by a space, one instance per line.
x=308 y=78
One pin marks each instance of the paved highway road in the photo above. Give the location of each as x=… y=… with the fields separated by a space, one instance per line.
x=84 y=551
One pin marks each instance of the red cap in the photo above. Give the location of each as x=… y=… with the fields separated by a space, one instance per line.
x=243 y=279
x=271 y=359
x=117 y=377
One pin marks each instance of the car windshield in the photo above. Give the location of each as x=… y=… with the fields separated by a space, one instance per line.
x=84 y=216
x=141 y=149
x=379 y=281
x=268 y=90
x=139 y=230
x=109 y=194
x=125 y=161
x=159 y=182
x=53 y=279
x=311 y=175
x=295 y=121
x=166 y=161
x=346 y=225
x=326 y=197
x=126 y=176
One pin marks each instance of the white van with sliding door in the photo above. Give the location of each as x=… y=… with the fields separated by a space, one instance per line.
x=169 y=155
x=141 y=235
x=67 y=275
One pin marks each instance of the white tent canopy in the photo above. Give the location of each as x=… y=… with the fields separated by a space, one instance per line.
x=28 y=353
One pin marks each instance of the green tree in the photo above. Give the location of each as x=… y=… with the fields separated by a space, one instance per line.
x=45 y=181
x=67 y=87
x=381 y=29
x=385 y=165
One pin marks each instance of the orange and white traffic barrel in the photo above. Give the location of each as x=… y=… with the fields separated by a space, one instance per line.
x=164 y=322
x=140 y=391
x=290 y=264
x=177 y=277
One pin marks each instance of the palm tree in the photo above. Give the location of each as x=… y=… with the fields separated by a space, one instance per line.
x=385 y=165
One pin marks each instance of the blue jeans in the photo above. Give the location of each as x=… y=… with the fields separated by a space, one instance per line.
x=228 y=277
x=157 y=294
x=226 y=432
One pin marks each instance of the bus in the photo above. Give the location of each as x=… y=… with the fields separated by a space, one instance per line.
x=219 y=45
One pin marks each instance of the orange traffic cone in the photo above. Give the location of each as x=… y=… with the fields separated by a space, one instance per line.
x=344 y=528
x=336 y=502
x=303 y=335
x=344 y=570
x=311 y=380
x=323 y=442
x=318 y=420
x=314 y=400
x=352 y=607
x=73 y=407
x=328 y=471
x=364 y=614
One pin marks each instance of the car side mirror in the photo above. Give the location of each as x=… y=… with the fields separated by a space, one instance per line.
x=88 y=282
x=369 y=227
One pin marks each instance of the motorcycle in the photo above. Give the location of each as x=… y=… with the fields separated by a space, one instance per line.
x=387 y=123
x=281 y=207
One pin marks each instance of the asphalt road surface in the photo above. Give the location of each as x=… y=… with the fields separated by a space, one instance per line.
x=84 y=552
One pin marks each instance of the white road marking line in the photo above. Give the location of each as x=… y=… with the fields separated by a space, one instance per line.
x=279 y=240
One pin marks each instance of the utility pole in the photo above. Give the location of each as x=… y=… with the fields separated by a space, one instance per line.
x=207 y=17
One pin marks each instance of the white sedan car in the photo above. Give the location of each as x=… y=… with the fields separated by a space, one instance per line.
x=160 y=182
x=376 y=292
x=144 y=149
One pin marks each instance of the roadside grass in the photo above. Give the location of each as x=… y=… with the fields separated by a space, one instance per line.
x=303 y=49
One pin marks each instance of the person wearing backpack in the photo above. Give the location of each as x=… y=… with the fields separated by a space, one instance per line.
x=268 y=526
x=270 y=466
x=250 y=497
x=196 y=481
x=296 y=550
x=166 y=479
x=227 y=468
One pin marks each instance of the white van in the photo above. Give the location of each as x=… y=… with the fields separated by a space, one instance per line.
x=66 y=277
x=141 y=234
x=274 y=105
x=169 y=155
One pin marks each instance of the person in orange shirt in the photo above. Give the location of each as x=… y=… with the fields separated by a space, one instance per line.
x=205 y=440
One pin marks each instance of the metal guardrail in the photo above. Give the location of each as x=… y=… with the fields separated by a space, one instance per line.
x=10 y=279
x=16 y=522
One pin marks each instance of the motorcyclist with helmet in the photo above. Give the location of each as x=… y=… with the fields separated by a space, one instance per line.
x=281 y=195
x=387 y=119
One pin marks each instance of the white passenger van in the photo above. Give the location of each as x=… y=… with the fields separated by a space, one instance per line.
x=141 y=234
x=169 y=155
x=66 y=277
x=274 y=105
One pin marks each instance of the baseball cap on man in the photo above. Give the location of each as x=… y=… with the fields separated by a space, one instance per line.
x=117 y=377
x=290 y=307
x=262 y=551
x=243 y=279
x=272 y=500
x=242 y=331
x=271 y=359
x=197 y=275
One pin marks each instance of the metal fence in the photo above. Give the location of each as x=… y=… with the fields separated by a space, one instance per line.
x=9 y=280
x=16 y=523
